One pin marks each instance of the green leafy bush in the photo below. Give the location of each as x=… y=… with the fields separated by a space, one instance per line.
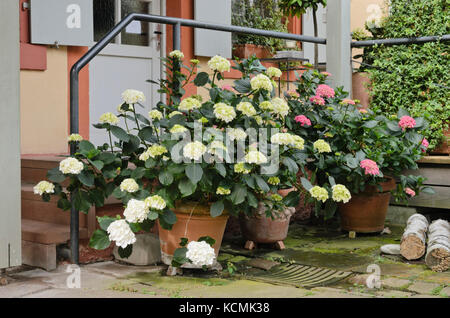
x=261 y=14
x=415 y=76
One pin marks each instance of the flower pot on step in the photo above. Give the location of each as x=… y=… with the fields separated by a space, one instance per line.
x=366 y=211
x=360 y=82
x=193 y=221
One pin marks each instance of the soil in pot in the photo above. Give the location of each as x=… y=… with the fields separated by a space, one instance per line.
x=193 y=221
x=366 y=211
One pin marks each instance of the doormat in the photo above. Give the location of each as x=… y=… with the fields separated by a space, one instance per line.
x=299 y=275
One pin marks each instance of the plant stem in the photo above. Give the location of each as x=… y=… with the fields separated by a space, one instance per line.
x=126 y=124
x=110 y=140
x=137 y=124
x=316 y=48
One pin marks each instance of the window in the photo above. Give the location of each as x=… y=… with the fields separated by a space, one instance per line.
x=108 y=13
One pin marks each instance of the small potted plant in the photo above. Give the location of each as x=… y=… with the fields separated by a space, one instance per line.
x=355 y=155
x=260 y=14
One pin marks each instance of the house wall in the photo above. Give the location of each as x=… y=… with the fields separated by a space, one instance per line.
x=10 y=235
x=44 y=116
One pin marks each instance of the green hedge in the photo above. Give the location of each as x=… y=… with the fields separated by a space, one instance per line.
x=419 y=74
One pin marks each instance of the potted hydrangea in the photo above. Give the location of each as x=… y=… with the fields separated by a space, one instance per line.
x=188 y=165
x=355 y=155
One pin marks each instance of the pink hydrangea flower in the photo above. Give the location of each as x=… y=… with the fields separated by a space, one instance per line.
x=406 y=122
x=370 y=167
x=410 y=192
x=348 y=101
x=362 y=110
x=303 y=120
x=227 y=87
x=425 y=144
x=324 y=90
x=317 y=100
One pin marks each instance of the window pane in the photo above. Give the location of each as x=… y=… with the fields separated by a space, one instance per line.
x=103 y=17
x=136 y=32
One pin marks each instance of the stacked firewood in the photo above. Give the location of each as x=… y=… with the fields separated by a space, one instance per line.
x=414 y=242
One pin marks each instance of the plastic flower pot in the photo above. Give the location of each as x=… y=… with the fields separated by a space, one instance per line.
x=366 y=211
x=193 y=221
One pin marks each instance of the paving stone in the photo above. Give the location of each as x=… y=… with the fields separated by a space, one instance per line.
x=392 y=282
x=358 y=279
x=262 y=263
x=445 y=291
x=393 y=294
x=330 y=292
x=423 y=287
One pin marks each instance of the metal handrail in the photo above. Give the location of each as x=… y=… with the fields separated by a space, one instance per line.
x=399 y=41
x=177 y=23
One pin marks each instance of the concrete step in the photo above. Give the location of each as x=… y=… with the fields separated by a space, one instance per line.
x=47 y=233
x=34 y=208
x=34 y=167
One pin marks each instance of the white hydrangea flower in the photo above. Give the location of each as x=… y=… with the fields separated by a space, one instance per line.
x=299 y=142
x=240 y=168
x=321 y=146
x=224 y=112
x=74 y=138
x=282 y=139
x=236 y=134
x=44 y=187
x=133 y=96
x=177 y=129
x=189 y=103
x=71 y=165
x=129 y=185
x=194 y=150
x=174 y=113
x=120 y=232
x=280 y=106
x=220 y=64
x=153 y=151
x=246 y=108
x=136 y=211
x=223 y=191
x=200 y=253
x=155 y=114
x=155 y=202
x=255 y=156
x=273 y=72
x=266 y=105
x=261 y=81
x=341 y=193
x=109 y=118
x=319 y=193
x=177 y=54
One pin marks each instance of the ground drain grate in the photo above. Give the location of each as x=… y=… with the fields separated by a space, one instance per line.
x=300 y=275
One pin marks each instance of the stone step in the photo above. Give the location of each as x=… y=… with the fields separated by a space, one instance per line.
x=47 y=233
x=34 y=208
x=34 y=167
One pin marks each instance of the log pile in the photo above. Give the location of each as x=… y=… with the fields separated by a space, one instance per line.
x=438 y=251
x=413 y=243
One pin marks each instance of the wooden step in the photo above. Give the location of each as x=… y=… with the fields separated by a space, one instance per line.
x=34 y=167
x=47 y=233
x=34 y=208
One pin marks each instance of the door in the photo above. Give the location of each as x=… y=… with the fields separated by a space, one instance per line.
x=127 y=63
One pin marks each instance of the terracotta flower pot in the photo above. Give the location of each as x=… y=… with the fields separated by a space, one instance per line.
x=259 y=228
x=193 y=222
x=444 y=147
x=244 y=51
x=366 y=211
